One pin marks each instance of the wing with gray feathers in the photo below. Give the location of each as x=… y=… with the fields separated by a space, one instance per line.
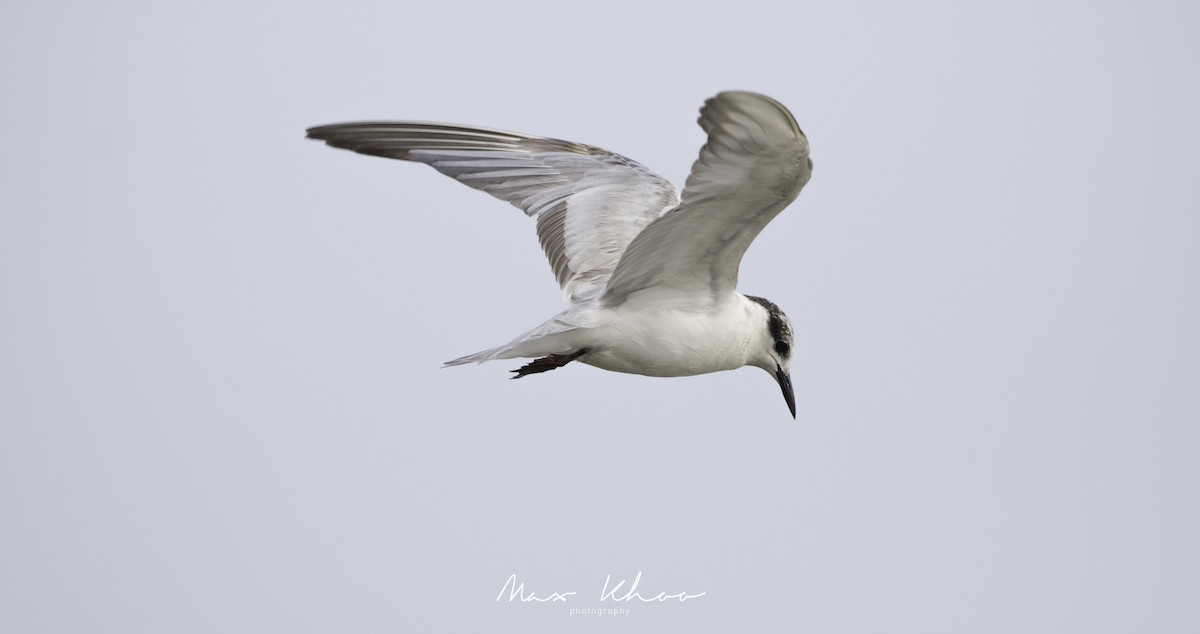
x=754 y=164
x=589 y=203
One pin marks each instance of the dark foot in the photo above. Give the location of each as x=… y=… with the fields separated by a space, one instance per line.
x=545 y=364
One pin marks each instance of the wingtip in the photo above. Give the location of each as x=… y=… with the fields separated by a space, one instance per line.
x=745 y=100
x=315 y=132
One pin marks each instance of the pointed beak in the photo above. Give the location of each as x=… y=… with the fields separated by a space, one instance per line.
x=785 y=384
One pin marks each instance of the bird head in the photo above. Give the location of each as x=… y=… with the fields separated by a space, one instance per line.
x=773 y=352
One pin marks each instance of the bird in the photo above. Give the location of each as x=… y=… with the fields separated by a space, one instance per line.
x=648 y=272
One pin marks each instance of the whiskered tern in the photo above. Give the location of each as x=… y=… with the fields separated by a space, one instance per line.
x=649 y=274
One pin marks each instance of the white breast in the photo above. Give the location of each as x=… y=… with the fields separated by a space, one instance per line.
x=650 y=340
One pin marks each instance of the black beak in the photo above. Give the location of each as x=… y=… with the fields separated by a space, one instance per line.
x=785 y=384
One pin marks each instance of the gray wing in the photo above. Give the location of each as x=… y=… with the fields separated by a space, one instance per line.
x=589 y=203
x=754 y=164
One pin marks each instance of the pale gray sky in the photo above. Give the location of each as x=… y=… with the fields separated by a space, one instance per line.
x=220 y=394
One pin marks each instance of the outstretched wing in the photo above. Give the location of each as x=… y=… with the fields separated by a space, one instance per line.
x=589 y=203
x=754 y=164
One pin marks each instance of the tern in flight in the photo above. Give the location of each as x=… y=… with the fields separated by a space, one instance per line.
x=649 y=274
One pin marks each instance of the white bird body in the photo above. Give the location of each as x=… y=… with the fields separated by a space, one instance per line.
x=679 y=342
x=648 y=273
x=641 y=337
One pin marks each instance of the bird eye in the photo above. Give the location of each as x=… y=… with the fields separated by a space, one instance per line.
x=781 y=347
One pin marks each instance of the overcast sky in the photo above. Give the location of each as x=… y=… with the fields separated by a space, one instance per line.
x=221 y=406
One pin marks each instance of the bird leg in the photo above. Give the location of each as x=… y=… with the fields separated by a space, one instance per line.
x=545 y=364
